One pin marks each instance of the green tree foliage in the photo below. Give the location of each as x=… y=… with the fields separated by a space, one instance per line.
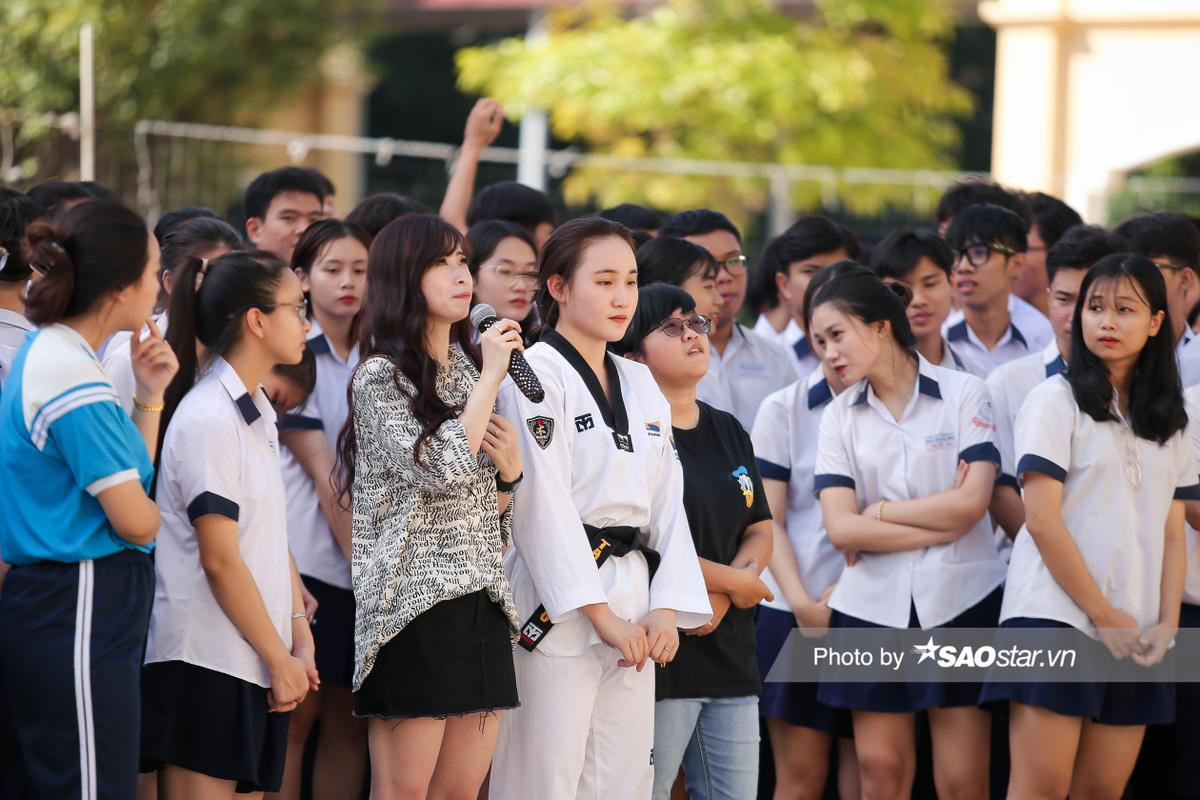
x=853 y=83
x=189 y=60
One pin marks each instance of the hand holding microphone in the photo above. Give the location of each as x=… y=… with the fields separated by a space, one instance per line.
x=505 y=339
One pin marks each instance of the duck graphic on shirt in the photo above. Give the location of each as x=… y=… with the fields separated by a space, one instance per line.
x=742 y=475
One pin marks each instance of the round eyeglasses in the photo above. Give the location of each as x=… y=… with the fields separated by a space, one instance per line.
x=674 y=326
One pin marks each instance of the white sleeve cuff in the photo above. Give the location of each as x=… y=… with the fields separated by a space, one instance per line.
x=96 y=487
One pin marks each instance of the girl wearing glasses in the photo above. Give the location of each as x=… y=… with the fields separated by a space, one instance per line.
x=603 y=568
x=902 y=571
x=709 y=693
x=331 y=260
x=229 y=651
x=503 y=262
x=1106 y=465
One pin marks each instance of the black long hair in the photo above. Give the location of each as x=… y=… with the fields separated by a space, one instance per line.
x=858 y=292
x=394 y=325
x=1156 y=409
x=83 y=254
x=211 y=312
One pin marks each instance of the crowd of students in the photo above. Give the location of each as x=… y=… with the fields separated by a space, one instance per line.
x=276 y=520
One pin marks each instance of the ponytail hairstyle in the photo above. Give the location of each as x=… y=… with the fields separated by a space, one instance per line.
x=564 y=250
x=84 y=254
x=1156 y=408
x=190 y=239
x=395 y=326
x=208 y=304
x=858 y=292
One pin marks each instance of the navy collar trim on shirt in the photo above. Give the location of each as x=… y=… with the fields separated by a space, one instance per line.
x=250 y=412
x=1056 y=366
x=232 y=383
x=319 y=345
x=958 y=362
x=925 y=385
x=614 y=414
x=819 y=394
x=958 y=332
x=802 y=348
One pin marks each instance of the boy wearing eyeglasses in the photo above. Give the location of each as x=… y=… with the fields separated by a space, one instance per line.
x=1172 y=242
x=988 y=244
x=743 y=367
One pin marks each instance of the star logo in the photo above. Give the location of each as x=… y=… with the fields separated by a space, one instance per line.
x=927 y=650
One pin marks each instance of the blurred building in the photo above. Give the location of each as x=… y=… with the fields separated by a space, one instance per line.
x=1089 y=90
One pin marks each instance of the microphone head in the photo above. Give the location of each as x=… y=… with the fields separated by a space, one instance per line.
x=481 y=314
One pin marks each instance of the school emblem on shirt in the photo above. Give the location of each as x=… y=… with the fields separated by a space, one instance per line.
x=542 y=430
x=742 y=476
x=654 y=428
x=584 y=423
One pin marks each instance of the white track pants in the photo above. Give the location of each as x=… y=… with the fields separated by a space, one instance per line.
x=585 y=729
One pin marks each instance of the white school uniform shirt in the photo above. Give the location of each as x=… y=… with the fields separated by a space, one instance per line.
x=786 y=337
x=1187 y=355
x=220 y=456
x=313 y=546
x=860 y=446
x=1008 y=386
x=13 y=329
x=785 y=444
x=952 y=359
x=1191 y=585
x=803 y=357
x=118 y=361
x=1117 y=528
x=575 y=473
x=750 y=369
x=1034 y=325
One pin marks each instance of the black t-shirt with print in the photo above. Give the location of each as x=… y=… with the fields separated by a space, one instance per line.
x=722 y=495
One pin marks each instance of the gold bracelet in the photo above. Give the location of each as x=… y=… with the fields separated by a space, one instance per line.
x=879 y=511
x=149 y=408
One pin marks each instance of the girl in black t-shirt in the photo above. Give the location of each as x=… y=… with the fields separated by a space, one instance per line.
x=710 y=691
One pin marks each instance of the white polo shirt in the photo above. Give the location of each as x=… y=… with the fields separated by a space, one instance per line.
x=861 y=447
x=785 y=444
x=1187 y=355
x=1118 y=529
x=952 y=359
x=1009 y=385
x=1033 y=324
x=1191 y=585
x=313 y=546
x=786 y=337
x=13 y=328
x=220 y=456
x=803 y=357
x=118 y=361
x=1012 y=345
x=750 y=369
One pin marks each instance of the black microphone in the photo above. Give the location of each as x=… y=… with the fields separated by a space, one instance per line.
x=483 y=317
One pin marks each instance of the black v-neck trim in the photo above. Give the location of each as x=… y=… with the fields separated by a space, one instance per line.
x=613 y=413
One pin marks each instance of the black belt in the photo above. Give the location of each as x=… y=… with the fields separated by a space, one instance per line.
x=606 y=543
